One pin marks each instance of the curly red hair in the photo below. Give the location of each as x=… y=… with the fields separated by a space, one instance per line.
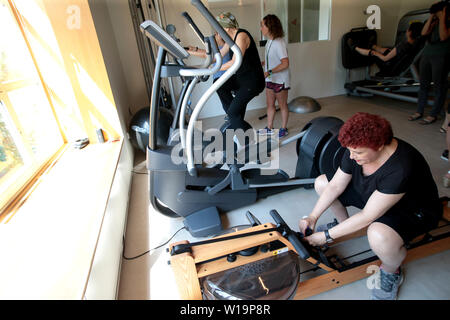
x=365 y=130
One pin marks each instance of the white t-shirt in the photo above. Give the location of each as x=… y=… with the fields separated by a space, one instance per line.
x=275 y=51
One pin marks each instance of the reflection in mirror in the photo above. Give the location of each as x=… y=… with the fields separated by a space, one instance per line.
x=303 y=20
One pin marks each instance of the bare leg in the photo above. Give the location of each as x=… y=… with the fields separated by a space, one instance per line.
x=364 y=52
x=387 y=244
x=339 y=211
x=379 y=49
x=270 y=97
x=445 y=122
x=282 y=97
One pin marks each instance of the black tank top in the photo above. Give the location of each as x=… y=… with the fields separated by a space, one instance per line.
x=251 y=63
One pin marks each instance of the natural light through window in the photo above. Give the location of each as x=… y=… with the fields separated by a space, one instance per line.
x=46 y=51
x=104 y=108
x=29 y=132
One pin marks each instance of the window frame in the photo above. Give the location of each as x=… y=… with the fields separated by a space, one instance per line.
x=18 y=191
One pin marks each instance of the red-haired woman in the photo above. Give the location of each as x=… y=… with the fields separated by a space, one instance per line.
x=390 y=181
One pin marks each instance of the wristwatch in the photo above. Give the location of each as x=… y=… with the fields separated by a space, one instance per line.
x=328 y=237
x=270 y=72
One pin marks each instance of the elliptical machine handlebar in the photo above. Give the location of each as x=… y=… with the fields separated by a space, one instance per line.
x=216 y=85
x=193 y=26
x=202 y=38
x=196 y=73
x=212 y=21
x=206 y=71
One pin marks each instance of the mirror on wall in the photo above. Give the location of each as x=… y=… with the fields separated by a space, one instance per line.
x=303 y=20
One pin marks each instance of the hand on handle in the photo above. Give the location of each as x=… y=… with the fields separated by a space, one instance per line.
x=307 y=225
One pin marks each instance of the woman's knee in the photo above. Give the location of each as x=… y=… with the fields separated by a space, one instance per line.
x=283 y=105
x=271 y=105
x=383 y=237
x=320 y=183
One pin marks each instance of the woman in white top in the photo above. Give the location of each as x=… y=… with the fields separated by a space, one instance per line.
x=276 y=72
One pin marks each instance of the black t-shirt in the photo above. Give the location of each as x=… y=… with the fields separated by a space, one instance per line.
x=406 y=171
x=251 y=68
x=403 y=48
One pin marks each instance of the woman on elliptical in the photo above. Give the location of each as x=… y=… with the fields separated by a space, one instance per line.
x=248 y=81
x=392 y=185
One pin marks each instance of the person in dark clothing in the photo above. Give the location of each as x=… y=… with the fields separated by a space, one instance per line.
x=435 y=62
x=387 y=58
x=390 y=181
x=248 y=81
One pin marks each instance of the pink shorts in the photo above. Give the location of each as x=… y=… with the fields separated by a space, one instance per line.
x=275 y=86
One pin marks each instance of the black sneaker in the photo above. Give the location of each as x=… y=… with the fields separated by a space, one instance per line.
x=444 y=155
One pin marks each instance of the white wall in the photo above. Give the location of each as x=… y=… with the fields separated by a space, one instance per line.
x=104 y=276
x=127 y=50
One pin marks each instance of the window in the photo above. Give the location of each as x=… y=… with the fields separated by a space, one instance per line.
x=29 y=132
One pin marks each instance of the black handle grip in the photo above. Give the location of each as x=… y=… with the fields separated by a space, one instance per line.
x=302 y=252
x=278 y=219
x=193 y=25
x=290 y=235
x=212 y=21
x=252 y=219
x=213 y=45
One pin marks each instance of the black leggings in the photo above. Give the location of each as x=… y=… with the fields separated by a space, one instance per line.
x=434 y=68
x=244 y=91
x=385 y=66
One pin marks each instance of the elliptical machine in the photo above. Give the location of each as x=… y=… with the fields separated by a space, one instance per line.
x=197 y=193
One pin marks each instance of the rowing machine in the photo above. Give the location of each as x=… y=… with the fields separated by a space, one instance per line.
x=215 y=268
